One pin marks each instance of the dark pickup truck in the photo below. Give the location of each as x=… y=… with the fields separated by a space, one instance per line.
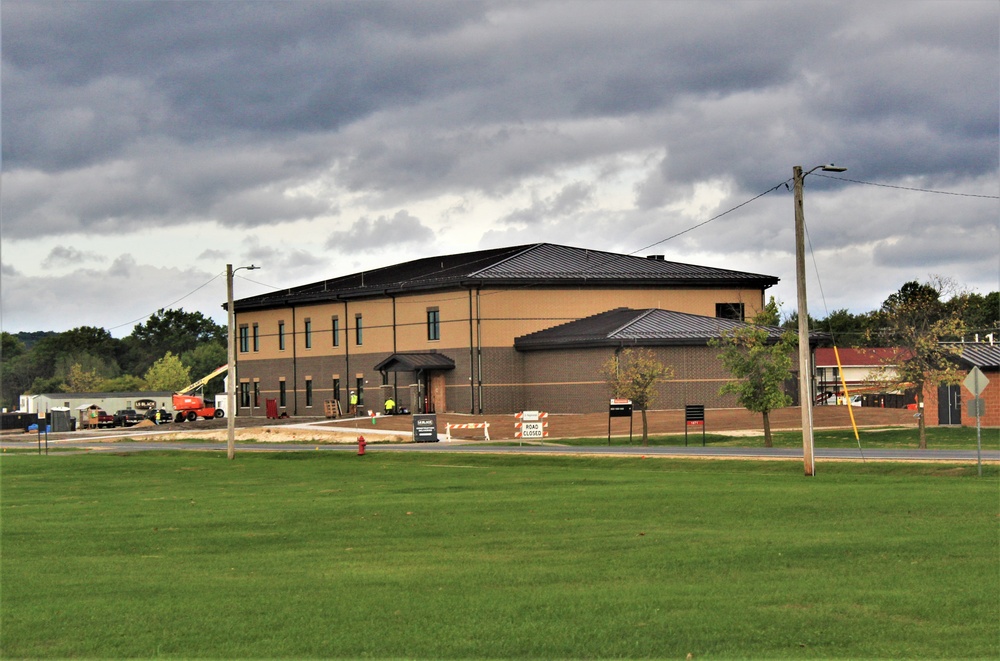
x=127 y=418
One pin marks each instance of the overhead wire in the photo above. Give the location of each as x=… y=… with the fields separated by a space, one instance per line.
x=604 y=264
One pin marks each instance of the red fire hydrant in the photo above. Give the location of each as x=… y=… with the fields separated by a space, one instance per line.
x=361 y=445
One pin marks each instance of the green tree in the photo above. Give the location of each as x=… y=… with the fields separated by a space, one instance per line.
x=50 y=352
x=981 y=314
x=123 y=383
x=919 y=323
x=202 y=361
x=15 y=374
x=175 y=331
x=759 y=357
x=168 y=373
x=633 y=374
x=42 y=385
x=81 y=380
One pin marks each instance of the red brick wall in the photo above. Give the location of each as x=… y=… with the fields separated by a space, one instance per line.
x=991 y=394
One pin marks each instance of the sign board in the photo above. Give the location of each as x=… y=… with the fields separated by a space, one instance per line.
x=425 y=428
x=535 y=429
x=620 y=408
x=977 y=407
x=976 y=382
x=694 y=414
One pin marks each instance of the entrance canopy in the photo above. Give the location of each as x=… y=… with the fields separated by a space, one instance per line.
x=416 y=361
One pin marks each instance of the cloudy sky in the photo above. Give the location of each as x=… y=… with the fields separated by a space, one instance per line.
x=148 y=144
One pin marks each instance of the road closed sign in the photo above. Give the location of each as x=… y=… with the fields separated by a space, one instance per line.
x=532 y=430
x=530 y=424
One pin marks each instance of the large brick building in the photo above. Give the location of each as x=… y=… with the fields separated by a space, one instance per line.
x=488 y=331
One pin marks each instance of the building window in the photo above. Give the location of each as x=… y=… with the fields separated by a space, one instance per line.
x=335 y=325
x=256 y=338
x=360 y=390
x=282 y=395
x=244 y=339
x=309 y=333
x=358 y=330
x=309 y=392
x=336 y=389
x=281 y=336
x=433 y=324
x=732 y=311
x=245 y=395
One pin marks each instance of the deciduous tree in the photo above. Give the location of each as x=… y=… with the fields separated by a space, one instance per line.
x=759 y=357
x=916 y=320
x=633 y=374
x=168 y=373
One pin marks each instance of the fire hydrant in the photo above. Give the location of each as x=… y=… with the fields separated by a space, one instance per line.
x=361 y=445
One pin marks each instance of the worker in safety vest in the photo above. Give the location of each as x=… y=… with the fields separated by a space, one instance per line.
x=390 y=406
x=354 y=403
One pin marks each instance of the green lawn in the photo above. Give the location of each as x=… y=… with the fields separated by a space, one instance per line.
x=939 y=438
x=323 y=555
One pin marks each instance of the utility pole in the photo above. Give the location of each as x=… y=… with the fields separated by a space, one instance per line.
x=231 y=375
x=805 y=371
x=805 y=355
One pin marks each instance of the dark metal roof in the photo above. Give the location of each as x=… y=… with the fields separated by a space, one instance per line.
x=415 y=361
x=983 y=356
x=625 y=326
x=534 y=264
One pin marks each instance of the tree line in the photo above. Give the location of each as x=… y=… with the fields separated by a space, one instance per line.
x=167 y=352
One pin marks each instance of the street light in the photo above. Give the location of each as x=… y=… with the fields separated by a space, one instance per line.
x=805 y=363
x=231 y=377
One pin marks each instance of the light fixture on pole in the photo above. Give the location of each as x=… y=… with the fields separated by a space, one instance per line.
x=805 y=361
x=231 y=376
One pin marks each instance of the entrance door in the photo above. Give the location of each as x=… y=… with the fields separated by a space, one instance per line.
x=949 y=405
x=437 y=392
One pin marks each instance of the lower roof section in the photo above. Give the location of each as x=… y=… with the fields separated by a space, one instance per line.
x=415 y=361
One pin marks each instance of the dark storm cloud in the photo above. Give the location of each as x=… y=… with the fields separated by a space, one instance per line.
x=248 y=116
x=736 y=87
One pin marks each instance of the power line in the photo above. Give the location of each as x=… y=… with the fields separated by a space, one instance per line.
x=919 y=190
x=169 y=305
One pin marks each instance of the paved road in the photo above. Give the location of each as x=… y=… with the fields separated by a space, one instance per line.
x=103 y=443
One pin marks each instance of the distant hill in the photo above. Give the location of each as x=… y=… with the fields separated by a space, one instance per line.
x=31 y=338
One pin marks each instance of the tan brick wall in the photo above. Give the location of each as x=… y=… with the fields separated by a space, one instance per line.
x=510 y=381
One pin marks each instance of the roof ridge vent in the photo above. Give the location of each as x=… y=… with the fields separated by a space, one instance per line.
x=657 y=258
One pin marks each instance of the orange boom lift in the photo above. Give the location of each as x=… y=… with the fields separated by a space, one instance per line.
x=189 y=403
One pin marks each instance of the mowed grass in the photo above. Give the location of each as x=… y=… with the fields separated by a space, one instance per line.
x=325 y=555
x=938 y=438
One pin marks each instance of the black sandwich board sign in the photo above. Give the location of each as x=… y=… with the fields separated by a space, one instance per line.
x=425 y=428
x=694 y=416
x=620 y=408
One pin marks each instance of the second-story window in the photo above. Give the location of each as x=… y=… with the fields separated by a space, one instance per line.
x=309 y=333
x=256 y=338
x=433 y=324
x=244 y=338
x=358 y=330
x=281 y=335
x=335 y=325
x=732 y=311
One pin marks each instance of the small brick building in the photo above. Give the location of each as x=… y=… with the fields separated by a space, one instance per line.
x=949 y=404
